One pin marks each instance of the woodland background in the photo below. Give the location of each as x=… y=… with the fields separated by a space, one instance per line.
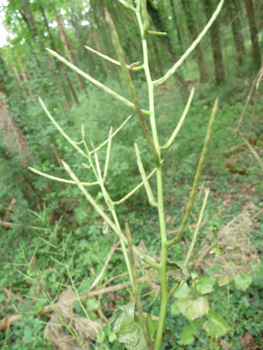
x=44 y=222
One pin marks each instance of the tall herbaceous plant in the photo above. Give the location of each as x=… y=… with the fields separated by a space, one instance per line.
x=150 y=329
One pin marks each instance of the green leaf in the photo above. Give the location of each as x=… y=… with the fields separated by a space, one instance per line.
x=173 y=271
x=189 y=332
x=100 y=337
x=182 y=292
x=92 y=304
x=126 y=329
x=193 y=308
x=175 y=309
x=112 y=337
x=2 y=297
x=205 y=285
x=151 y=326
x=28 y=334
x=242 y=282
x=224 y=280
x=216 y=326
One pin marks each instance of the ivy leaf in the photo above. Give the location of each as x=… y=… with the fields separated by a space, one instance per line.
x=189 y=332
x=193 y=308
x=205 y=285
x=216 y=326
x=242 y=282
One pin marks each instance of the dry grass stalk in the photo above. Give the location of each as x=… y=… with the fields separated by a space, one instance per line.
x=67 y=330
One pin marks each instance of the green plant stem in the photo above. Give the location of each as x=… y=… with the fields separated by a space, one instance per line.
x=192 y=47
x=110 y=206
x=164 y=288
x=190 y=250
x=197 y=178
x=144 y=178
x=115 y=132
x=106 y=218
x=95 y=82
x=127 y=77
x=107 y=157
x=134 y=190
x=178 y=127
x=117 y=63
x=61 y=130
x=61 y=179
x=136 y=288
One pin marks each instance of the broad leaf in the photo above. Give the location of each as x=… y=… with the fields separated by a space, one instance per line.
x=182 y=292
x=173 y=271
x=193 y=308
x=126 y=329
x=242 y=282
x=175 y=309
x=224 y=280
x=216 y=326
x=205 y=285
x=189 y=332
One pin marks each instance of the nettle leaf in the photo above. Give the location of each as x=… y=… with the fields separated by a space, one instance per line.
x=242 y=282
x=126 y=329
x=216 y=326
x=173 y=271
x=193 y=308
x=190 y=332
x=205 y=285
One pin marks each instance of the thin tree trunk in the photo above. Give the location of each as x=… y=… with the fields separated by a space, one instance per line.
x=194 y=33
x=256 y=56
x=29 y=19
x=23 y=74
x=65 y=41
x=178 y=30
x=12 y=133
x=167 y=44
x=215 y=43
x=97 y=43
x=236 y=30
x=54 y=47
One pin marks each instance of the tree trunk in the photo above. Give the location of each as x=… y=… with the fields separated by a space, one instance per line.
x=236 y=30
x=20 y=63
x=178 y=30
x=65 y=41
x=167 y=44
x=12 y=133
x=256 y=56
x=29 y=19
x=54 y=47
x=215 y=43
x=194 y=34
